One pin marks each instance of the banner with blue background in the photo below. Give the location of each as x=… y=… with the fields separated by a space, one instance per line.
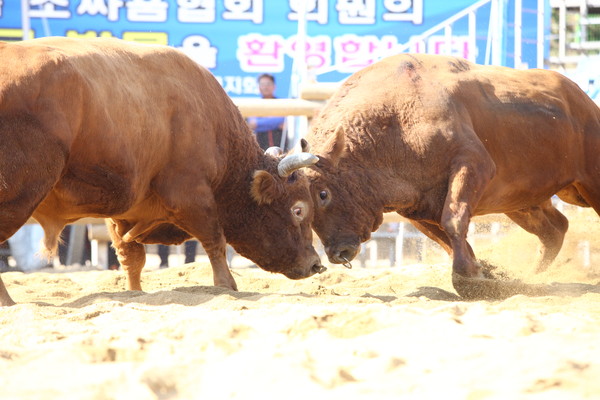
x=239 y=39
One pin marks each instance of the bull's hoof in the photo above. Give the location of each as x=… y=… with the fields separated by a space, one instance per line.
x=494 y=289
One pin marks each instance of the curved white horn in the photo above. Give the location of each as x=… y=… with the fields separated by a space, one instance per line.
x=292 y=162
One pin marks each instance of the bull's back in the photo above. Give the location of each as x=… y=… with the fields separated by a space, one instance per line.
x=128 y=115
x=536 y=121
x=116 y=103
x=530 y=120
x=128 y=81
x=507 y=108
x=539 y=127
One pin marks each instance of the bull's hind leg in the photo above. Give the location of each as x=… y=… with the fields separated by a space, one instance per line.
x=548 y=224
x=131 y=255
x=31 y=161
x=590 y=191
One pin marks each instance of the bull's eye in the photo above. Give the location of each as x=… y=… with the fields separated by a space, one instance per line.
x=324 y=197
x=293 y=177
x=299 y=210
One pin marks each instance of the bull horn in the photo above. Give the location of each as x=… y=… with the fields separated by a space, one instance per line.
x=292 y=162
x=274 y=151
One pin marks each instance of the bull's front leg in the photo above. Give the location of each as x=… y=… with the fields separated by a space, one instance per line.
x=200 y=219
x=213 y=240
x=216 y=251
x=435 y=233
x=466 y=185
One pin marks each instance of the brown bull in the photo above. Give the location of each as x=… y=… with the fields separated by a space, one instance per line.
x=440 y=140
x=144 y=136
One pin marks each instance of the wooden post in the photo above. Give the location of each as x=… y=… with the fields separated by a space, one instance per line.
x=318 y=91
x=251 y=107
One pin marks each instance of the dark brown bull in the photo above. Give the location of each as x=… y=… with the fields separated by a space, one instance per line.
x=144 y=136
x=440 y=140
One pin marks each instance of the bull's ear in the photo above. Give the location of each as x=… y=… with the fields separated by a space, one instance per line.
x=304 y=146
x=335 y=146
x=265 y=188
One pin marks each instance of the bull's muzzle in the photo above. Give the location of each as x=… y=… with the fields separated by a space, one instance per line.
x=342 y=253
x=315 y=267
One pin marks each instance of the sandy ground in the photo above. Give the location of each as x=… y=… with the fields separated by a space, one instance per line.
x=366 y=333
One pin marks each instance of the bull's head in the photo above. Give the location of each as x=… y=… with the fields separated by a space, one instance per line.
x=282 y=203
x=345 y=215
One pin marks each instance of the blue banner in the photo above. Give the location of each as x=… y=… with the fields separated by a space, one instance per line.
x=239 y=39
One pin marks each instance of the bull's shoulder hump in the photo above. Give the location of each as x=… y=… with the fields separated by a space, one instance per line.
x=56 y=54
x=31 y=66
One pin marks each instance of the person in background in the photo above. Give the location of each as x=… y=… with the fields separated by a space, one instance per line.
x=190 y=248
x=4 y=252
x=25 y=247
x=268 y=130
x=594 y=89
x=86 y=254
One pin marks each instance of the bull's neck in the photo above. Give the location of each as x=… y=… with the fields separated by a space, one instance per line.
x=243 y=158
x=377 y=198
x=383 y=189
x=399 y=194
x=232 y=192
